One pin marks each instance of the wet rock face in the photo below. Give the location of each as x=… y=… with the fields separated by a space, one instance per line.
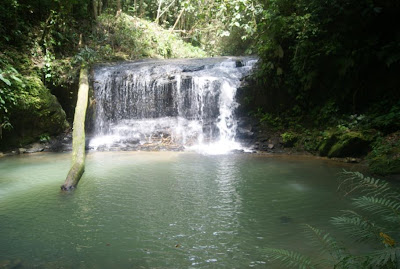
x=257 y=137
x=143 y=94
x=245 y=128
x=186 y=100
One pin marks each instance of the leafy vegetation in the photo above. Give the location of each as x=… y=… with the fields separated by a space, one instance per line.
x=377 y=225
x=27 y=109
x=127 y=38
x=330 y=56
x=328 y=66
x=385 y=155
x=327 y=70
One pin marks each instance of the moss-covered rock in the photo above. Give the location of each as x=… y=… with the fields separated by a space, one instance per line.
x=37 y=114
x=329 y=139
x=337 y=143
x=351 y=144
x=384 y=158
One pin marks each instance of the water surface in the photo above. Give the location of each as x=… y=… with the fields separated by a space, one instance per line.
x=161 y=210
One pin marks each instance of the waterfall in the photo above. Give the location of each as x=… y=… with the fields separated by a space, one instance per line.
x=168 y=104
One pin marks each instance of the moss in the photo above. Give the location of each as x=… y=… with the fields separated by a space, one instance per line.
x=329 y=139
x=339 y=143
x=37 y=112
x=350 y=144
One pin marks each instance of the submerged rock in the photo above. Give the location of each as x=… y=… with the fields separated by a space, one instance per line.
x=285 y=220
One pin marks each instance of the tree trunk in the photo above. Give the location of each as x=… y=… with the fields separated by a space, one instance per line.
x=158 y=11
x=100 y=6
x=94 y=2
x=141 y=10
x=78 y=134
x=135 y=8
x=165 y=10
x=177 y=20
x=105 y=4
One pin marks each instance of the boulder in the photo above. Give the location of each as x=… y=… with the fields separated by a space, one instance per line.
x=35 y=147
x=350 y=144
x=244 y=132
x=347 y=144
x=326 y=144
x=36 y=115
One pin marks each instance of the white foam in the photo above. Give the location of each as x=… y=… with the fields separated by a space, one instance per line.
x=132 y=105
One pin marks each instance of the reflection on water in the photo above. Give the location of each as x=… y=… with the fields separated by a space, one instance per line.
x=161 y=210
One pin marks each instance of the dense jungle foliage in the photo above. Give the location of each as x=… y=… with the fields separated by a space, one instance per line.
x=327 y=79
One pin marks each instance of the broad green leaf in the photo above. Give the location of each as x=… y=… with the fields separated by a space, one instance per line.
x=6 y=81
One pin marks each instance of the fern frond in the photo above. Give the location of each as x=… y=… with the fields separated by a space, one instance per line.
x=391 y=219
x=379 y=206
x=389 y=257
x=357 y=226
x=325 y=241
x=290 y=259
x=351 y=262
x=357 y=182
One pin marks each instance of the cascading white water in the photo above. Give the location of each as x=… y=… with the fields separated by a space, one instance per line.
x=168 y=105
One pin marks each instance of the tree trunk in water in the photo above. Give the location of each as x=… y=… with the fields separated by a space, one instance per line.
x=78 y=134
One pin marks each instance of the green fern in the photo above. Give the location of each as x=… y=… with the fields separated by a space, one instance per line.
x=379 y=206
x=352 y=182
x=376 y=198
x=325 y=242
x=290 y=259
x=357 y=226
x=387 y=256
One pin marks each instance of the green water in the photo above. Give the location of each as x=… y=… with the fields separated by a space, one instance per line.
x=161 y=210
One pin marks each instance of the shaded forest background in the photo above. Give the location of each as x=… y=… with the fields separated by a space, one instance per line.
x=327 y=80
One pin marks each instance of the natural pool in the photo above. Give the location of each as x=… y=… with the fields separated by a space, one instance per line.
x=162 y=210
